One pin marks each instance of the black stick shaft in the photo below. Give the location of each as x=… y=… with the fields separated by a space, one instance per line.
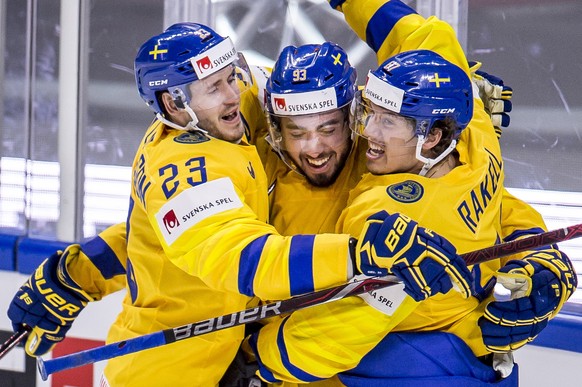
x=12 y=341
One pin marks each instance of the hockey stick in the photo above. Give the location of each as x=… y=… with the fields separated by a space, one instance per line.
x=170 y=335
x=13 y=340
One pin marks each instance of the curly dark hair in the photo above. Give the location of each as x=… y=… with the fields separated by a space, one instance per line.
x=448 y=126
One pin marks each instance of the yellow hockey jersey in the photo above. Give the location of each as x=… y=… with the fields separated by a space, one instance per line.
x=299 y=207
x=464 y=206
x=322 y=341
x=198 y=247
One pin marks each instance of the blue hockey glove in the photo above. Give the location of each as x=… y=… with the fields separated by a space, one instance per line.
x=540 y=284
x=426 y=262
x=48 y=302
x=336 y=4
x=496 y=97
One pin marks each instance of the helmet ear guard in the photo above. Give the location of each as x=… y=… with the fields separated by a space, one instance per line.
x=274 y=138
x=179 y=97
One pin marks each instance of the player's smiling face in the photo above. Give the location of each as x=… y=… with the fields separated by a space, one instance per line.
x=318 y=144
x=216 y=102
x=391 y=143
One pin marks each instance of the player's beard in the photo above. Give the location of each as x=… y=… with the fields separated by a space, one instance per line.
x=218 y=128
x=327 y=179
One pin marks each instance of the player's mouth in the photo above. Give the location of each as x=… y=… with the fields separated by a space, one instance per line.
x=318 y=164
x=374 y=151
x=232 y=118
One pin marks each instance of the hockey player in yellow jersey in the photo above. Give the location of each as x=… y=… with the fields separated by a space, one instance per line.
x=310 y=156
x=413 y=109
x=197 y=237
x=302 y=132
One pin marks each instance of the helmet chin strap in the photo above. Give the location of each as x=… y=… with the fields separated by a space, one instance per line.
x=192 y=125
x=181 y=102
x=276 y=146
x=429 y=163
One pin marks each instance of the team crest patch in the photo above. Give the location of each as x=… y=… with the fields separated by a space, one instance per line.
x=407 y=192
x=194 y=137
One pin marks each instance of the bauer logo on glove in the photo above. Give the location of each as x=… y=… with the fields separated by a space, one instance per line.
x=427 y=263
x=48 y=303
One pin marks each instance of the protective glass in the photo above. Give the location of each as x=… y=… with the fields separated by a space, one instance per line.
x=380 y=125
x=221 y=88
x=311 y=131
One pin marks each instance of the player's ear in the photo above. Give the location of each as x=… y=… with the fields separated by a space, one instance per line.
x=433 y=138
x=169 y=104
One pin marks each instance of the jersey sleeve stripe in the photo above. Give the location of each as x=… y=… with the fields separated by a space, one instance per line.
x=248 y=264
x=263 y=371
x=301 y=264
x=383 y=22
x=522 y=233
x=103 y=257
x=293 y=370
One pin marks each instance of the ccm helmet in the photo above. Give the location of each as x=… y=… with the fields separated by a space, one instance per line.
x=309 y=79
x=422 y=85
x=183 y=53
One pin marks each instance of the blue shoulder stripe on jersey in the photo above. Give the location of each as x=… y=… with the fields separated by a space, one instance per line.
x=293 y=370
x=129 y=211
x=247 y=266
x=263 y=371
x=522 y=233
x=383 y=22
x=103 y=257
x=301 y=264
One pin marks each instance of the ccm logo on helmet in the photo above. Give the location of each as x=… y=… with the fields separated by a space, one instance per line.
x=443 y=111
x=159 y=82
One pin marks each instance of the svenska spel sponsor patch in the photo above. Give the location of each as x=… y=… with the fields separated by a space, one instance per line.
x=309 y=102
x=194 y=205
x=386 y=300
x=214 y=59
x=383 y=94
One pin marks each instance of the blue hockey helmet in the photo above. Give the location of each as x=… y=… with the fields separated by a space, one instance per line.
x=183 y=53
x=422 y=85
x=308 y=79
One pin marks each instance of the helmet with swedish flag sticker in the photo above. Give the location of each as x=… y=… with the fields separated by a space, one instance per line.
x=311 y=78
x=183 y=53
x=425 y=88
x=308 y=98
x=422 y=85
